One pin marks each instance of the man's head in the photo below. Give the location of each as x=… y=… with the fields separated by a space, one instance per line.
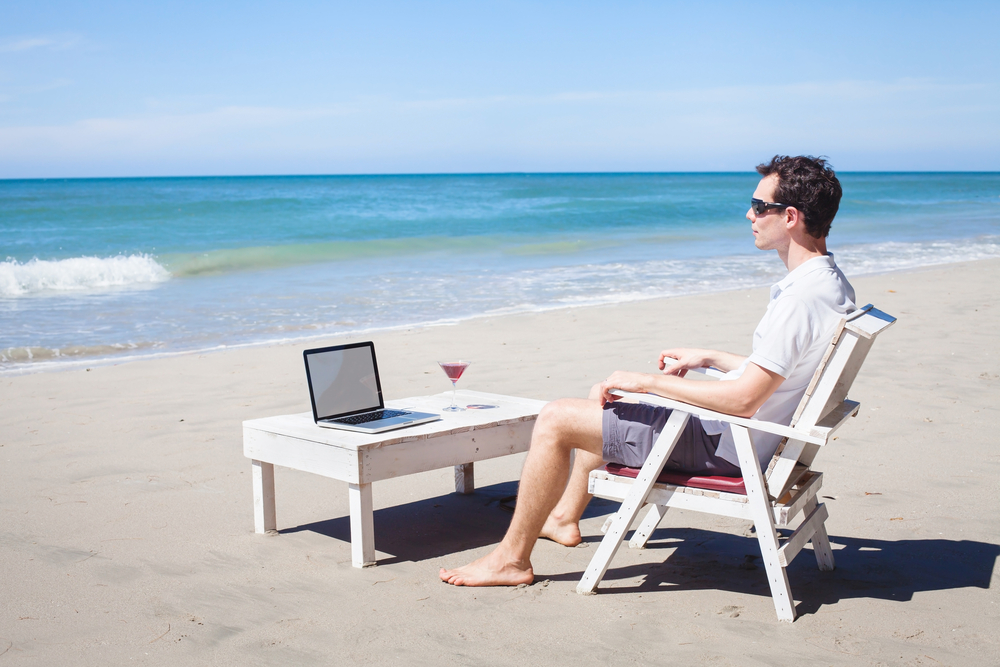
x=807 y=184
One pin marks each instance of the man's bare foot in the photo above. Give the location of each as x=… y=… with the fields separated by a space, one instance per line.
x=565 y=533
x=490 y=570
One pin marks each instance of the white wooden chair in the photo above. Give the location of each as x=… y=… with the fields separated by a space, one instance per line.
x=771 y=500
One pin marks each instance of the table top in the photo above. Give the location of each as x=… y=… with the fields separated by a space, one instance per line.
x=510 y=409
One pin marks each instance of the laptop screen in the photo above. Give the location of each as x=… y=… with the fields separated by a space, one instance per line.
x=343 y=380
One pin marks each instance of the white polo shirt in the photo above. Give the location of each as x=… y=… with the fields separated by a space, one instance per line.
x=805 y=308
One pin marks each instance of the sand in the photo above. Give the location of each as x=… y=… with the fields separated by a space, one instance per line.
x=126 y=526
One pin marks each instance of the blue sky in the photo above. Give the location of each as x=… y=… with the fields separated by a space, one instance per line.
x=130 y=89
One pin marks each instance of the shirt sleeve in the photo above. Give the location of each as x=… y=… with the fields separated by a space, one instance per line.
x=787 y=338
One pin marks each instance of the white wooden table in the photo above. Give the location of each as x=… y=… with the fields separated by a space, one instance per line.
x=459 y=439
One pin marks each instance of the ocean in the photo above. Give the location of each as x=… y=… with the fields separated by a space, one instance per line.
x=112 y=269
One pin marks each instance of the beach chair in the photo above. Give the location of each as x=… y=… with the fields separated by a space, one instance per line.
x=772 y=499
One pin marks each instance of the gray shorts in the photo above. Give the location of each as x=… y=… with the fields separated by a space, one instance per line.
x=630 y=429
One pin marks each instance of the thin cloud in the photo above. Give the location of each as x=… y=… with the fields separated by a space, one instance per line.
x=53 y=43
x=843 y=90
x=136 y=135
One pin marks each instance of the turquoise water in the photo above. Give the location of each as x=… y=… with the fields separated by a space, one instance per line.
x=99 y=268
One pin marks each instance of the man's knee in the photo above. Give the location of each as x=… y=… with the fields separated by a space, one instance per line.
x=569 y=421
x=556 y=415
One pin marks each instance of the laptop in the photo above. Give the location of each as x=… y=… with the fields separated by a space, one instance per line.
x=345 y=391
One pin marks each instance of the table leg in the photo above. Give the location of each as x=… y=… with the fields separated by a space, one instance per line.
x=362 y=525
x=465 y=479
x=263 y=497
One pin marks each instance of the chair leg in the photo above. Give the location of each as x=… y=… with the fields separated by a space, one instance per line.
x=648 y=525
x=763 y=518
x=777 y=578
x=820 y=541
x=633 y=502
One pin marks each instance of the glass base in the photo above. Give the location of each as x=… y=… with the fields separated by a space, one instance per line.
x=453 y=408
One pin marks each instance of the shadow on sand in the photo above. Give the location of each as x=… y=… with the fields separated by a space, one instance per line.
x=695 y=559
x=692 y=558
x=440 y=526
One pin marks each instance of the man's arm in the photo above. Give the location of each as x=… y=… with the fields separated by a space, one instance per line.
x=688 y=358
x=741 y=397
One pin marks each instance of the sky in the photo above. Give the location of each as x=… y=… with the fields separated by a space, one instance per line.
x=94 y=89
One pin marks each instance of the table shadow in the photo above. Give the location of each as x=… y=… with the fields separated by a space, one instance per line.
x=435 y=527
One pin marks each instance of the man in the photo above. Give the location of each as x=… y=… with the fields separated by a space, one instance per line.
x=791 y=212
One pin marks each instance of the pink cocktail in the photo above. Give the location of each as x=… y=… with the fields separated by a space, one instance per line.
x=454 y=370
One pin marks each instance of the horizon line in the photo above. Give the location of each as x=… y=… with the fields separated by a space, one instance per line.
x=477 y=173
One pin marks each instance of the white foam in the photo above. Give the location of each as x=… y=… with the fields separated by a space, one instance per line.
x=77 y=273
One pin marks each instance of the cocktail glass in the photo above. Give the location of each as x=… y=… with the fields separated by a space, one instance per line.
x=454 y=370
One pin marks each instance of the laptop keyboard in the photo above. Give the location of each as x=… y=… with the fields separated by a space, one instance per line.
x=370 y=417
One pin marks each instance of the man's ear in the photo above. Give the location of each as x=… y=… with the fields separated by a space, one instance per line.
x=794 y=218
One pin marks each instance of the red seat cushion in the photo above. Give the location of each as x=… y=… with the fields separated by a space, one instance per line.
x=716 y=483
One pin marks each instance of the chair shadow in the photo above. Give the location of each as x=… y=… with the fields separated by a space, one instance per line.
x=435 y=527
x=865 y=568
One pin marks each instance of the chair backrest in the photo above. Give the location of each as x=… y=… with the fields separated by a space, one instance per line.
x=826 y=392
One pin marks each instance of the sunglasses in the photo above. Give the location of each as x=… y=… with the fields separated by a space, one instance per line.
x=759 y=205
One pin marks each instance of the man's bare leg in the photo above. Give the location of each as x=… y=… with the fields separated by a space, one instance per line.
x=562 y=426
x=563 y=523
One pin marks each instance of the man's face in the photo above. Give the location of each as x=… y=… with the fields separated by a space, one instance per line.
x=769 y=229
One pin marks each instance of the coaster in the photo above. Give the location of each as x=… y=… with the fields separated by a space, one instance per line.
x=480 y=406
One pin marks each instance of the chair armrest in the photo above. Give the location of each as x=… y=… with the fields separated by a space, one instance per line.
x=814 y=436
x=711 y=371
x=836 y=418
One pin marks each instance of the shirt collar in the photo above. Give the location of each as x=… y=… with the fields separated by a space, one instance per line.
x=814 y=264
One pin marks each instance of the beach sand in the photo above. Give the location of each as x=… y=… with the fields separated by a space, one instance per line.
x=126 y=525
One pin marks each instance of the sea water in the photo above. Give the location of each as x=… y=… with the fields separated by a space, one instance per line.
x=97 y=269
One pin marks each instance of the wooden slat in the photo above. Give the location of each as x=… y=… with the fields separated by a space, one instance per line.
x=761 y=512
x=801 y=536
x=834 y=419
x=597 y=488
x=829 y=378
x=781 y=472
x=615 y=487
x=711 y=502
x=797 y=472
x=798 y=498
x=406 y=458
x=705 y=413
x=872 y=323
x=305 y=455
x=646 y=527
x=858 y=313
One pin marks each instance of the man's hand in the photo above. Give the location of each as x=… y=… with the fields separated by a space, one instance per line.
x=688 y=358
x=624 y=380
x=684 y=360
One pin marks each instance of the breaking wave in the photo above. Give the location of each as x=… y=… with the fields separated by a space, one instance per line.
x=77 y=274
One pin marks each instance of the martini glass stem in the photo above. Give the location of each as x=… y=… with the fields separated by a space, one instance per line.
x=454 y=390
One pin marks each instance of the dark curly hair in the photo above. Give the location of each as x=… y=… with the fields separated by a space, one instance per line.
x=810 y=185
